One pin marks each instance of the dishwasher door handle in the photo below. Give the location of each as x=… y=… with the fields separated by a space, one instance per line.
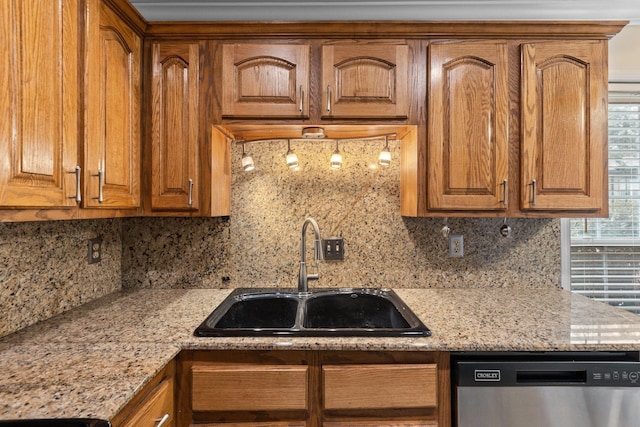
x=551 y=376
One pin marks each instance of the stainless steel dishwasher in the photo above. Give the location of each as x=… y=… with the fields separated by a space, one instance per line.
x=583 y=389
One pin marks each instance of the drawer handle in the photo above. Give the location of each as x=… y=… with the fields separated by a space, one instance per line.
x=301 y=99
x=505 y=192
x=533 y=192
x=162 y=420
x=100 y=176
x=77 y=172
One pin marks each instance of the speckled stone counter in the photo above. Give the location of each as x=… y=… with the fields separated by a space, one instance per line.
x=89 y=362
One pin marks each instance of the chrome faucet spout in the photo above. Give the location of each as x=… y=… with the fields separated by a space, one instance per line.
x=303 y=277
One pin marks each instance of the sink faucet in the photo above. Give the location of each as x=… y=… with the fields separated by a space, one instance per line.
x=303 y=277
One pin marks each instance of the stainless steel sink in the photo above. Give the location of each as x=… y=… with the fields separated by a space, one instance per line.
x=321 y=312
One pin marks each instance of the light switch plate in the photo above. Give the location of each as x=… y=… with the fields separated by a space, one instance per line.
x=333 y=248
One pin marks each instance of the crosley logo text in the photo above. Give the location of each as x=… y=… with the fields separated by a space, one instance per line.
x=487 y=375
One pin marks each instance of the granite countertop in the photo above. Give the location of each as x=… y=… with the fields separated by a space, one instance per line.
x=90 y=361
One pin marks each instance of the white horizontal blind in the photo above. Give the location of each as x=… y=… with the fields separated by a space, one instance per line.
x=605 y=252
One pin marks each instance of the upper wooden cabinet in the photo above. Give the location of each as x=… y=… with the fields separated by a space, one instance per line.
x=358 y=80
x=365 y=81
x=514 y=128
x=564 y=126
x=265 y=80
x=113 y=99
x=467 y=133
x=175 y=171
x=38 y=103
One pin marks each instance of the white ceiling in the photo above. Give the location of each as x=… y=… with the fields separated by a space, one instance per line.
x=402 y=10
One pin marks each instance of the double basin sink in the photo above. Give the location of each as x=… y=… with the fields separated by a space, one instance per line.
x=321 y=312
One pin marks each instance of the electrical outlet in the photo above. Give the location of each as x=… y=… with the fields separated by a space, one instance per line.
x=95 y=250
x=456 y=245
x=333 y=248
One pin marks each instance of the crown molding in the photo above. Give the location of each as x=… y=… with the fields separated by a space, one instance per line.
x=378 y=10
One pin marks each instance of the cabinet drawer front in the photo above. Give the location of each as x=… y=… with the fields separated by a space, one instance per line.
x=246 y=388
x=258 y=424
x=380 y=423
x=360 y=386
x=159 y=404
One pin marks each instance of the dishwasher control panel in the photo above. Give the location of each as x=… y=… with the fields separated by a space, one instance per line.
x=551 y=373
x=613 y=376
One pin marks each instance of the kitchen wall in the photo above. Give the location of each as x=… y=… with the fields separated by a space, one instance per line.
x=259 y=244
x=44 y=269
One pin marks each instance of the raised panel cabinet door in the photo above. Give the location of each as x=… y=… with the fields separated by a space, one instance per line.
x=265 y=80
x=365 y=81
x=174 y=138
x=468 y=126
x=112 y=145
x=157 y=408
x=564 y=125
x=38 y=103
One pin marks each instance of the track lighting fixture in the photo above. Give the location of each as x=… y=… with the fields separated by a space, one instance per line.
x=247 y=161
x=384 y=159
x=292 y=158
x=336 y=158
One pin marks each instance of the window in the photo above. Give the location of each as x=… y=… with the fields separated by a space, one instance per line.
x=601 y=256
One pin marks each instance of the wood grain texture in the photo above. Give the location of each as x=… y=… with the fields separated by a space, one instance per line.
x=390 y=29
x=468 y=135
x=175 y=171
x=113 y=109
x=152 y=402
x=249 y=388
x=220 y=184
x=230 y=387
x=564 y=123
x=38 y=103
x=265 y=80
x=381 y=423
x=365 y=80
x=256 y=424
x=359 y=386
x=409 y=193
x=155 y=407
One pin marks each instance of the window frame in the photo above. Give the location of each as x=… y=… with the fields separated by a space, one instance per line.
x=633 y=91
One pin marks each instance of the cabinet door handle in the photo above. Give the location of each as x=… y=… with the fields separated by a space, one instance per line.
x=190 y=192
x=505 y=192
x=100 y=176
x=329 y=98
x=301 y=99
x=78 y=196
x=162 y=420
x=533 y=192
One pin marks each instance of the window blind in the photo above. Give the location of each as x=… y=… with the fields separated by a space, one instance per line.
x=605 y=252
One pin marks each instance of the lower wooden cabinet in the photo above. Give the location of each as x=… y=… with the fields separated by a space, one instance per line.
x=313 y=388
x=154 y=406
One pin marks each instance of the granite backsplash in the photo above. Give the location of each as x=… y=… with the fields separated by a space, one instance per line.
x=259 y=244
x=44 y=269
